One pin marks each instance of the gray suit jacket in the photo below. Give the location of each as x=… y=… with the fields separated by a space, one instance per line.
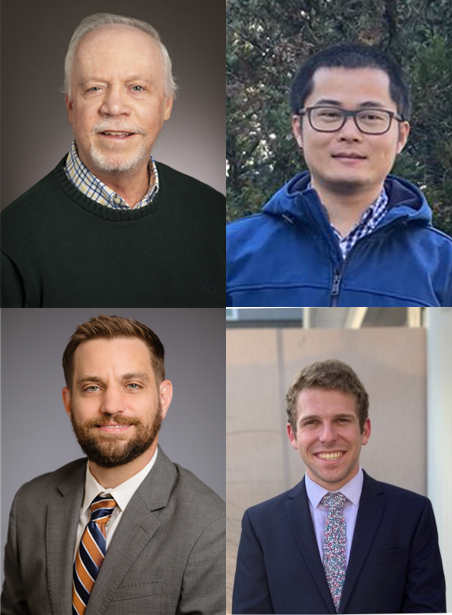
x=167 y=555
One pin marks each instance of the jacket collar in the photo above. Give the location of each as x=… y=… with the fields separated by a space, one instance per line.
x=136 y=529
x=295 y=202
x=371 y=508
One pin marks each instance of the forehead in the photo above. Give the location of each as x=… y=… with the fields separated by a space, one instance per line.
x=117 y=48
x=122 y=354
x=324 y=403
x=351 y=86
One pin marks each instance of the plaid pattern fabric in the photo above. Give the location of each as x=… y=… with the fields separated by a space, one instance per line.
x=96 y=190
x=368 y=221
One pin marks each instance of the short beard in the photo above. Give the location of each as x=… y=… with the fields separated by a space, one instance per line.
x=115 y=163
x=110 y=451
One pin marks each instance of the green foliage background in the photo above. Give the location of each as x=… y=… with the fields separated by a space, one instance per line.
x=265 y=42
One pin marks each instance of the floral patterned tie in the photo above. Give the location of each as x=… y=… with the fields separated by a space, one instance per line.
x=335 y=545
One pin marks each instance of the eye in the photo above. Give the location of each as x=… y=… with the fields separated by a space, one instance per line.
x=330 y=114
x=373 y=116
x=93 y=89
x=92 y=388
x=133 y=386
x=140 y=88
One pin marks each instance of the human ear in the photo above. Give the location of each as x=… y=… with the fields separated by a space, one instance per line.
x=292 y=436
x=166 y=395
x=297 y=130
x=67 y=400
x=404 y=131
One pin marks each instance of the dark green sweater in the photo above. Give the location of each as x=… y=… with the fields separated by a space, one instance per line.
x=61 y=249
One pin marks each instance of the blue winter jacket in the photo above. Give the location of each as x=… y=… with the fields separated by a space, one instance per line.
x=289 y=256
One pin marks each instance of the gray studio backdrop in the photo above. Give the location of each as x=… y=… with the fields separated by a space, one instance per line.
x=36 y=432
x=36 y=133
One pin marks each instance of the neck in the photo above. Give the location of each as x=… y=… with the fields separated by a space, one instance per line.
x=110 y=478
x=345 y=208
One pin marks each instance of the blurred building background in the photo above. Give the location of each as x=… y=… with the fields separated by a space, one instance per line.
x=403 y=357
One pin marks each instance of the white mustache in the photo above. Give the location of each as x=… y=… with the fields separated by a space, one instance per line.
x=106 y=125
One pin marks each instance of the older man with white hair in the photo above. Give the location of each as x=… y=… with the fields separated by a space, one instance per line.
x=110 y=225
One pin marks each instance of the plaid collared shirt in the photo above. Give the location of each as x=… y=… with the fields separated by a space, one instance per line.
x=96 y=190
x=368 y=221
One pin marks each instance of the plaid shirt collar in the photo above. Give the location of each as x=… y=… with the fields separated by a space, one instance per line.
x=368 y=221
x=96 y=190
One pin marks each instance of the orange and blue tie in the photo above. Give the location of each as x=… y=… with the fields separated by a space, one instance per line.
x=335 y=545
x=91 y=552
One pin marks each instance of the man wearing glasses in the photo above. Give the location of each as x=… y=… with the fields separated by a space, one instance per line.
x=344 y=233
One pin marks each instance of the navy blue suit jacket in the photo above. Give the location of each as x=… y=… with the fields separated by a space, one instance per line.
x=394 y=566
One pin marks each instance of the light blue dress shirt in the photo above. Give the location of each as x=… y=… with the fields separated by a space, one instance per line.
x=352 y=490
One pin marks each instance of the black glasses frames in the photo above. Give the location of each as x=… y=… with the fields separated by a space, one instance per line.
x=372 y=121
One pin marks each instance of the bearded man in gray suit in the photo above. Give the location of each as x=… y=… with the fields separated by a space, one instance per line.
x=161 y=546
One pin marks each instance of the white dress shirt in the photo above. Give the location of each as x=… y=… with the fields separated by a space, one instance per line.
x=122 y=494
x=352 y=491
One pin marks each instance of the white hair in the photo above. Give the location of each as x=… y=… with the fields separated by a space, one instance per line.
x=106 y=20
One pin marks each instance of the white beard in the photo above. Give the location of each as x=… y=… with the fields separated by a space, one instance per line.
x=117 y=161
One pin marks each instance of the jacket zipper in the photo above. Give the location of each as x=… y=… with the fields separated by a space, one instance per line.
x=335 y=288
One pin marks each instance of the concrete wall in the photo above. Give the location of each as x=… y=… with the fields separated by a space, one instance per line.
x=261 y=364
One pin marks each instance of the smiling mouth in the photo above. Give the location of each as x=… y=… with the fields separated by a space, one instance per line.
x=330 y=456
x=113 y=428
x=117 y=135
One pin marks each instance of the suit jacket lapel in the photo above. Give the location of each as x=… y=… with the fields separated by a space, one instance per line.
x=301 y=522
x=136 y=528
x=370 y=511
x=63 y=515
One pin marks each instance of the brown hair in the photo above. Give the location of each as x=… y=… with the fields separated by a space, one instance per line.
x=109 y=327
x=331 y=375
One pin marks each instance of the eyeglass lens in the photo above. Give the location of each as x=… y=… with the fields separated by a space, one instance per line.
x=368 y=120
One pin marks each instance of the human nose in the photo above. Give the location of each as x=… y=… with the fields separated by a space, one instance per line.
x=350 y=130
x=114 y=102
x=328 y=433
x=112 y=401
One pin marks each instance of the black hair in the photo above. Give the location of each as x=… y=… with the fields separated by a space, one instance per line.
x=351 y=55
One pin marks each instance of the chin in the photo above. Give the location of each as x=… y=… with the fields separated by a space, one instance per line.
x=118 y=163
x=346 y=185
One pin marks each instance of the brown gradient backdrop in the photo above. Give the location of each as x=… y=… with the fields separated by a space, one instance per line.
x=35 y=130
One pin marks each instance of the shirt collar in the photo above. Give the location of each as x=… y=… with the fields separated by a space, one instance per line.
x=122 y=493
x=352 y=490
x=372 y=214
x=95 y=189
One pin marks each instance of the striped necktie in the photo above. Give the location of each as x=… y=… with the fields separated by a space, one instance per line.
x=335 y=545
x=91 y=552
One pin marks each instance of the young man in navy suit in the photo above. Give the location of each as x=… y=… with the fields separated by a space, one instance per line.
x=378 y=553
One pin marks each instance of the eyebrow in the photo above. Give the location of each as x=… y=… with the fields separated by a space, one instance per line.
x=342 y=415
x=337 y=103
x=137 y=77
x=130 y=376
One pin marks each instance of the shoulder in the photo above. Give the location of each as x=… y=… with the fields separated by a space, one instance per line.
x=409 y=203
x=42 y=488
x=170 y=485
x=173 y=181
x=269 y=510
x=398 y=496
x=197 y=496
x=26 y=205
x=252 y=222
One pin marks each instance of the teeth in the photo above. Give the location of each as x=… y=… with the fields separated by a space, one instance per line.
x=117 y=133
x=330 y=455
